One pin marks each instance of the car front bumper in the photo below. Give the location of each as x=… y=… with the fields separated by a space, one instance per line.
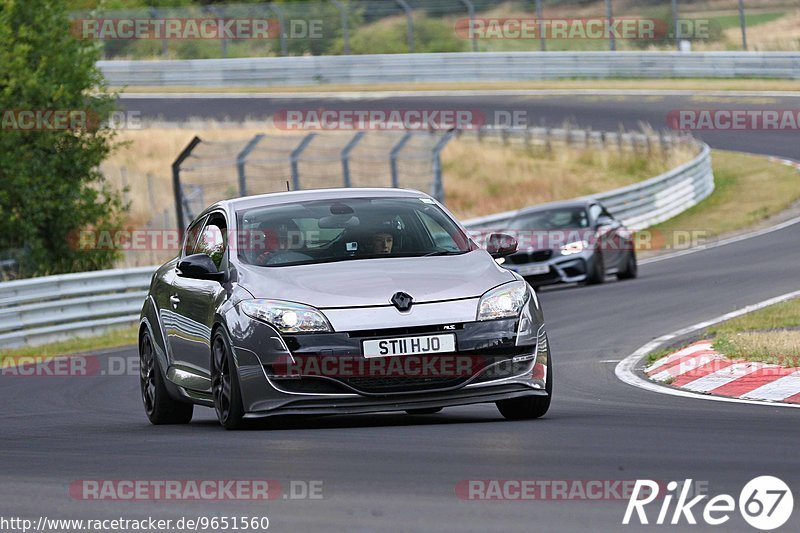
x=276 y=377
x=574 y=268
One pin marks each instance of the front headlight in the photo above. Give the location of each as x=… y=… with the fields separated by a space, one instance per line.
x=505 y=301
x=287 y=317
x=574 y=247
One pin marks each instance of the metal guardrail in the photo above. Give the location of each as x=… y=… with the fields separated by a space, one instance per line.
x=642 y=204
x=47 y=309
x=448 y=67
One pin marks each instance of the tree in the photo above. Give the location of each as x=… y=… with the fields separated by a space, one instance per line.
x=51 y=187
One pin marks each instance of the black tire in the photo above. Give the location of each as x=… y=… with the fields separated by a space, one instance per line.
x=631 y=269
x=424 y=411
x=160 y=407
x=225 y=384
x=528 y=407
x=598 y=273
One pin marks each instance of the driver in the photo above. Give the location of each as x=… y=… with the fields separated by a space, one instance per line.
x=382 y=243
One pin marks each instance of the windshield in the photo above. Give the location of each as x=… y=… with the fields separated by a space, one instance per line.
x=346 y=229
x=552 y=219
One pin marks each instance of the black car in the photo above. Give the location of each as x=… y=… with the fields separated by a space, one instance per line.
x=339 y=301
x=568 y=242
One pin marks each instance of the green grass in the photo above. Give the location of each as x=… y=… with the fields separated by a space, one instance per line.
x=111 y=339
x=775 y=317
x=751 y=19
x=748 y=189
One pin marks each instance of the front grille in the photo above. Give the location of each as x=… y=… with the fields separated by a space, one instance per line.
x=381 y=384
x=534 y=256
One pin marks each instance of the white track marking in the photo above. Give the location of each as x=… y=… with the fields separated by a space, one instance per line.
x=626 y=370
x=777 y=390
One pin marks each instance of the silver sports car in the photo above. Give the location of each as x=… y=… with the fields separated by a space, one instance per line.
x=339 y=301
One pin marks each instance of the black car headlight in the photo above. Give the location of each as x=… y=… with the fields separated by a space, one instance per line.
x=505 y=301
x=287 y=317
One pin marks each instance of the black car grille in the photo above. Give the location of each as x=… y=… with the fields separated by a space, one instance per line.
x=535 y=256
x=399 y=383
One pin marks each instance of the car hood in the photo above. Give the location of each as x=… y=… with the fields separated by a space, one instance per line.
x=372 y=282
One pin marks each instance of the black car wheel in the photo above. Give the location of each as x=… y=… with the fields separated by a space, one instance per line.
x=529 y=407
x=424 y=411
x=225 y=384
x=631 y=269
x=159 y=406
x=598 y=273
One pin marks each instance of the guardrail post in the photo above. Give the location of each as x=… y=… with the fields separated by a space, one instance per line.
x=346 y=156
x=409 y=24
x=345 y=25
x=295 y=157
x=393 y=157
x=281 y=28
x=241 y=160
x=437 y=187
x=176 y=180
x=471 y=13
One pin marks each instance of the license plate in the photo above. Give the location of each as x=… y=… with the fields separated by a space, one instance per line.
x=533 y=270
x=410 y=345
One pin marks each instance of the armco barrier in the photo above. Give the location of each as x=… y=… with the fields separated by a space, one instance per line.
x=401 y=69
x=46 y=309
x=39 y=310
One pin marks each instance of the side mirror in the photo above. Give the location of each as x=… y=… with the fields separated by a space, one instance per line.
x=199 y=266
x=501 y=245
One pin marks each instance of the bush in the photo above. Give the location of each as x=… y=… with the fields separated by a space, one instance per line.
x=50 y=184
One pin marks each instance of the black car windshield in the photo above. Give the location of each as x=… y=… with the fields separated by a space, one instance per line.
x=552 y=219
x=322 y=231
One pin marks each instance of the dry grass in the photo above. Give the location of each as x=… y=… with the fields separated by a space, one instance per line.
x=488 y=177
x=770 y=335
x=775 y=347
x=782 y=34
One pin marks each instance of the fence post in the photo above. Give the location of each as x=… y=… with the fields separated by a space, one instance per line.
x=241 y=160
x=612 y=43
x=393 y=157
x=295 y=157
x=409 y=24
x=471 y=13
x=219 y=13
x=345 y=25
x=164 y=47
x=743 y=24
x=346 y=156
x=676 y=24
x=176 y=180
x=540 y=26
x=281 y=28
x=437 y=186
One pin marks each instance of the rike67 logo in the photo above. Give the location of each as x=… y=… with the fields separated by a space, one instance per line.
x=765 y=503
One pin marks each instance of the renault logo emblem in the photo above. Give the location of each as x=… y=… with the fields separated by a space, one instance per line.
x=402 y=301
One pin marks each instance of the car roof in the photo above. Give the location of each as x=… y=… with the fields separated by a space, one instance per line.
x=565 y=204
x=276 y=198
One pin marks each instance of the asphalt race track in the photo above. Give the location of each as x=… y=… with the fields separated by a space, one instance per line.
x=399 y=472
